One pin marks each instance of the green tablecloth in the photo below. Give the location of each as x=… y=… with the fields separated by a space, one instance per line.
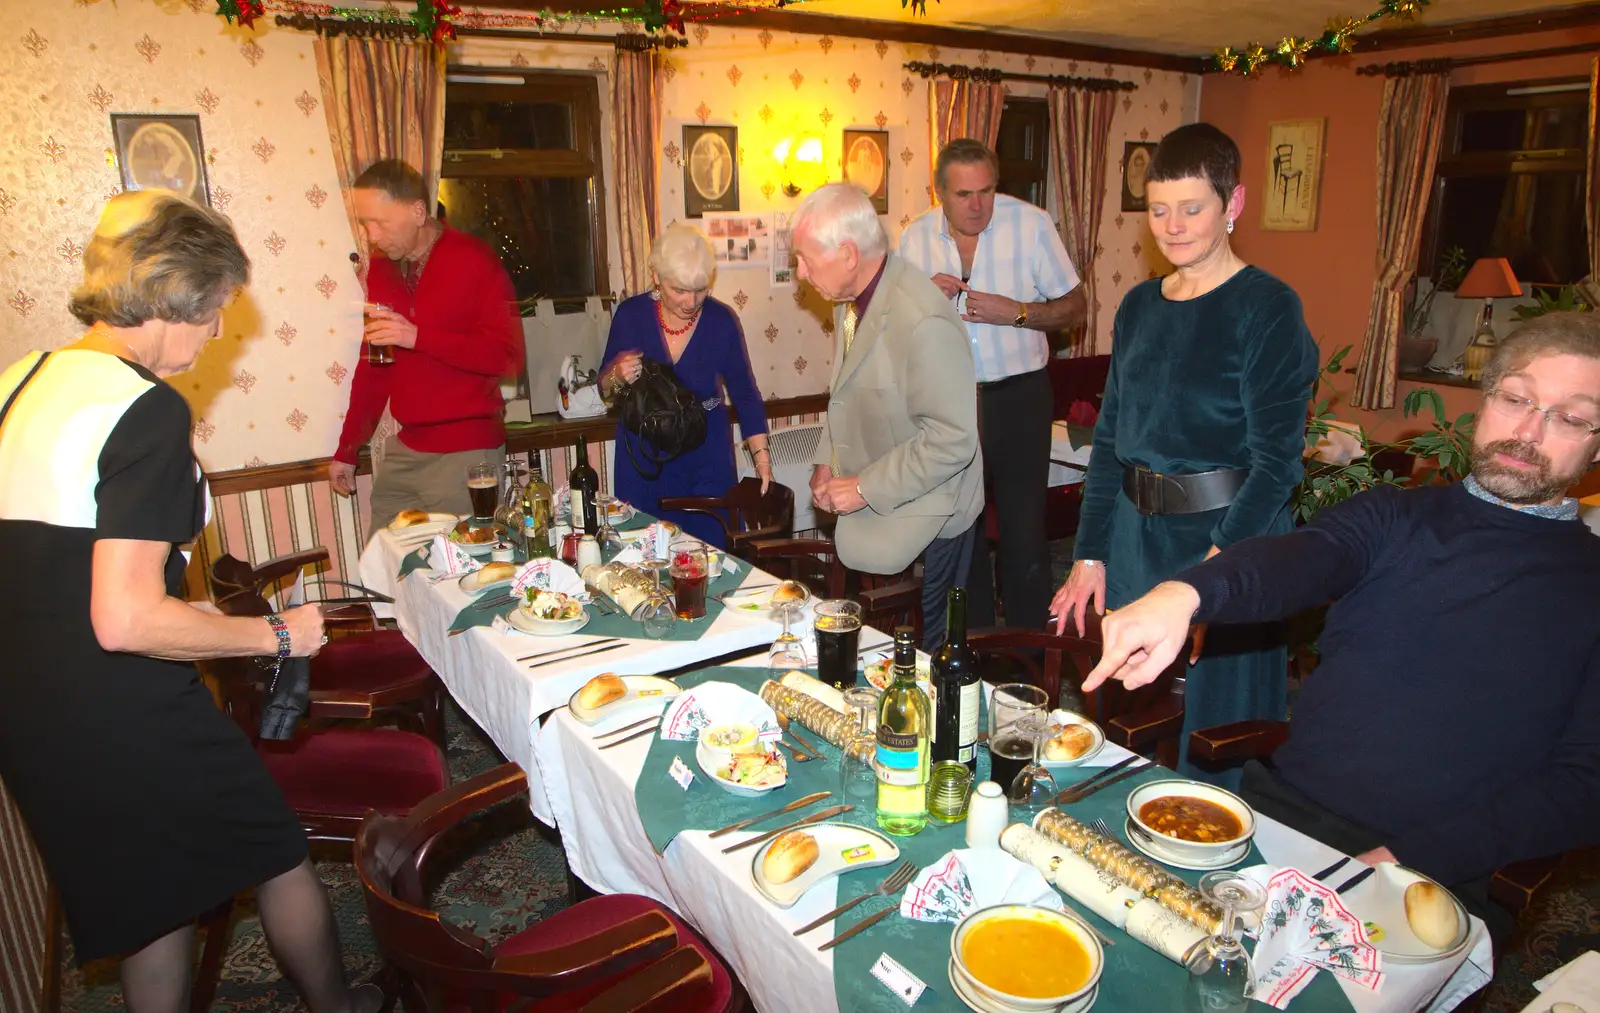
x=617 y=624
x=1136 y=979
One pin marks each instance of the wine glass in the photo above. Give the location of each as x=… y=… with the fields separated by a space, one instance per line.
x=1220 y=975
x=787 y=653
x=607 y=535
x=858 y=781
x=1034 y=789
x=657 y=615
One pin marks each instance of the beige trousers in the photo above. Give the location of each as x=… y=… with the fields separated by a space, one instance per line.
x=412 y=480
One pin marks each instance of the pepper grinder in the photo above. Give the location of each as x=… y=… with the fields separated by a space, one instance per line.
x=987 y=815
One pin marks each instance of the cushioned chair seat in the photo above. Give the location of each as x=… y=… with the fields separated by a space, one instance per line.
x=368 y=663
x=594 y=914
x=346 y=770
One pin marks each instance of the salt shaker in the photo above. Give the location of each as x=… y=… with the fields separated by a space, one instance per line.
x=987 y=815
x=588 y=553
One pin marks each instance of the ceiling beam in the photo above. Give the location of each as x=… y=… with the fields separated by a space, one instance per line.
x=1578 y=16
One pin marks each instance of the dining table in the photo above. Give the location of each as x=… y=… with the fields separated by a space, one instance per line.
x=592 y=795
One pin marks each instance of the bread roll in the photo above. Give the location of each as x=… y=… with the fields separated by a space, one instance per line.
x=409 y=518
x=601 y=690
x=491 y=572
x=788 y=591
x=1432 y=914
x=789 y=856
x=1071 y=743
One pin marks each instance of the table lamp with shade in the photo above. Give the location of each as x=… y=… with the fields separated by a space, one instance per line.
x=1489 y=279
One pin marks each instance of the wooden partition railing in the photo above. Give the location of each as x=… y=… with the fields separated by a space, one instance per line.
x=258 y=513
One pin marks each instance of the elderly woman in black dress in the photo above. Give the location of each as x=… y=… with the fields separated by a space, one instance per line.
x=148 y=805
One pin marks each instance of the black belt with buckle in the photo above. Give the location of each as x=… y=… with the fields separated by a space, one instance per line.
x=1153 y=493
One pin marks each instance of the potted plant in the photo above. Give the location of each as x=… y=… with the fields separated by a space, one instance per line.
x=1415 y=347
x=1564 y=299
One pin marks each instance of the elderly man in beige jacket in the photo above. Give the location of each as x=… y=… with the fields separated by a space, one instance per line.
x=899 y=460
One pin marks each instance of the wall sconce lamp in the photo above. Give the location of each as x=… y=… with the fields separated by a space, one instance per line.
x=800 y=163
x=1489 y=279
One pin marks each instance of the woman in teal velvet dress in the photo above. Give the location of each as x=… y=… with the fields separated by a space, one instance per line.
x=1211 y=372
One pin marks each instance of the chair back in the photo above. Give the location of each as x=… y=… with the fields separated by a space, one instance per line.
x=30 y=977
x=753 y=514
x=887 y=600
x=1111 y=699
x=443 y=964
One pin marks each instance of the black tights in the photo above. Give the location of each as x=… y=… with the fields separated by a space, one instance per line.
x=298 y=922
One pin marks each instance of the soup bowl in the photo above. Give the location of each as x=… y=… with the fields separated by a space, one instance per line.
x=1197 y=852
x=1028 y=918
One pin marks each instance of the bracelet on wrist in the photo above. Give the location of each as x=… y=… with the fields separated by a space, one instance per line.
x=1091 y=562
x=280 y=629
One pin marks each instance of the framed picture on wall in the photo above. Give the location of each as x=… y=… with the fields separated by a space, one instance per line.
x=161 y=152
x=1136 y=157
x=1294 y=175
x=866 y=164
x=710 y=169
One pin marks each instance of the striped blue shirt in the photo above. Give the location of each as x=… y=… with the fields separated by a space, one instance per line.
x=1019 y=256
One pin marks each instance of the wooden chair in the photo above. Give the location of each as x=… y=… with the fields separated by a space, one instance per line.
x=886 y=601
x=744 y=513
x=364 y=671
x=609 y=954
x=1513 y=886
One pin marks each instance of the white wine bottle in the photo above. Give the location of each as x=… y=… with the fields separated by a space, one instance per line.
x=904 y=727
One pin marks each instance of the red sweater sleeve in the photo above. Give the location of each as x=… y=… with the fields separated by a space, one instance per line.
x=369 y=393
x=487 y=341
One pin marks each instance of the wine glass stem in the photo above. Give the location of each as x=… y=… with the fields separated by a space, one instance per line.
x=1038 y=743
x=1225 y=930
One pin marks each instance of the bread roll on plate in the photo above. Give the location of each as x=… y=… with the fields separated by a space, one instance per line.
x=1432 y=914
x=1069 y=744
x=491 y=572
x=789 y=591
x=789 y=856
x=601 y=690
x=409 y=519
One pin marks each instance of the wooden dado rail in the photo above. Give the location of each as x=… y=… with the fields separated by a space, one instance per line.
x=258 y=513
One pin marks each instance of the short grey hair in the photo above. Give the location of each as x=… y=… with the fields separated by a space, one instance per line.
x=1569 y=333
x=682 y=256
x=963 y=151
x=156 y=255
x=841 y=213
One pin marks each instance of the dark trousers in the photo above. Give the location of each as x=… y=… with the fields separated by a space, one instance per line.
x=943 y=563
x=1014 y=432
x=1271 y=796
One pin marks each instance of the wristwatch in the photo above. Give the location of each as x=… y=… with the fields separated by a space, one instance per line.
x=1021 y=319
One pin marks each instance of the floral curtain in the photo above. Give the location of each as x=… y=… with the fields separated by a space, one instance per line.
x=1410 y=132
x=1591 y=285
x=383 y=99
x=636 y=154
x=964 y=108
x=1080 y=134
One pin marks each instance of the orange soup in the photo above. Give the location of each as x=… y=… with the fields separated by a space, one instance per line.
x=1031 y=958
x=1190 y=819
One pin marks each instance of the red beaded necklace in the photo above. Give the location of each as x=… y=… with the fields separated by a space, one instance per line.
x=661 y=318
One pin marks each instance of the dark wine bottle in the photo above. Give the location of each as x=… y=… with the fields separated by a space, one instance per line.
x=584 y=486
x=955 y=686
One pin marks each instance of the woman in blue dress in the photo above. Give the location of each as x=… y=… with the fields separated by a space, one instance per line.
x=1202 y=428
x=677 y=324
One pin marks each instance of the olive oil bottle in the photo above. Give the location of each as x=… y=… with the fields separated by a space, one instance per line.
x=904 y=728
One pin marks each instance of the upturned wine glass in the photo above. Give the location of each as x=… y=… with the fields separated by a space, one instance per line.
x=788 y=652
x=1220 y=975
x=1034 y=789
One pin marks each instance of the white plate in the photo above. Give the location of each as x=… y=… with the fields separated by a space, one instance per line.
x=836 y=843
x=708 y=764
x=646 y=694
x=469 y=584
x=759 y=603
x=1151 y=846
x=522 y=620
x=435 y=524
x=983 y=1004
x=477 y=550
x=876 y=669
x=1063 y=717
x=1381 y=901
x=620 y=513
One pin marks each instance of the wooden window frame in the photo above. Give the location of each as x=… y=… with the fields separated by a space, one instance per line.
x=1038 y=110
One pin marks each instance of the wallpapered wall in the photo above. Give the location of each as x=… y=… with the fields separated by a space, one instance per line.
x=274 y=389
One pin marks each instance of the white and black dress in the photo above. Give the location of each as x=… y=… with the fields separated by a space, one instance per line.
x=148 y=804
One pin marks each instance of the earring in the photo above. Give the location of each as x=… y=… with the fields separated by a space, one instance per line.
x=1230 y=226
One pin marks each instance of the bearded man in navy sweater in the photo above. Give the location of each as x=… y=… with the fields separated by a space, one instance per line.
x=1453 y=724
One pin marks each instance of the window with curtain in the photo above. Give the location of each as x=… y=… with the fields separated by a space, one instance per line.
x=1024 y=149
x=1510 y=180
x=522 y=170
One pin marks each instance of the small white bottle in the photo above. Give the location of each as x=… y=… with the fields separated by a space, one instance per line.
x=588 y=553
x=987 y=815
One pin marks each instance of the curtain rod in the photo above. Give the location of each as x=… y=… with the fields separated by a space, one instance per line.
x=958 y=72
x=1404 y=68
x=405 y=30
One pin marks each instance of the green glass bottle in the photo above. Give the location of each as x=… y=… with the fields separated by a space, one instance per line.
x=904 y=728
x=537 y=510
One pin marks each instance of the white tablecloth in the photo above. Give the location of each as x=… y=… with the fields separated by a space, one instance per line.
x=1067 y=465
x=480 y=668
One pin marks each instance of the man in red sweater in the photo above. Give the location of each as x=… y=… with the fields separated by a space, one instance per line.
x=452 y=323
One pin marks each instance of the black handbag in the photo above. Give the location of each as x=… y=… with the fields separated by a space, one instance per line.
x=665 y=416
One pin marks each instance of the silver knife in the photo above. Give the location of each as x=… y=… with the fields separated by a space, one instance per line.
x=859 y=927
x=630 y=738
x=826 y=814
x=625 y=728
x=799 y=803
x=574 y=657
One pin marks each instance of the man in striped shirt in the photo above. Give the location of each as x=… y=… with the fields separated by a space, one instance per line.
x=1002 y=262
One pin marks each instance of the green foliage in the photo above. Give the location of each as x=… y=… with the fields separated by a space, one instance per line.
x=1447 y=443
x=1446 y=278
x=1564 y=299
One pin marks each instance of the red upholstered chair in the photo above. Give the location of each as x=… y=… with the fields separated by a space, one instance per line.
x=611 y=954
x=364 y=671
x=744 y=513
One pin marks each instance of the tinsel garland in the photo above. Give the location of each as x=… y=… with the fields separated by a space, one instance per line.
x=1293 y=50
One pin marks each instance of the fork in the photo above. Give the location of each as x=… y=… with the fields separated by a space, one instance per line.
x=800 y=755
x=892 y=884
x=1102 y=828
x=784 y=723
